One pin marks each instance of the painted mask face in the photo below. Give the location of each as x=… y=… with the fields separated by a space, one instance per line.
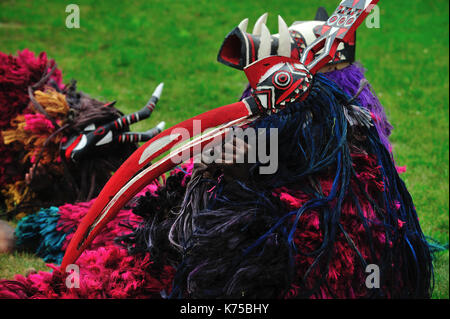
x=93 y=137
x=276 y=81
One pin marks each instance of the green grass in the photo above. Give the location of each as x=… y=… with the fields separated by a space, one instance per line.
x=123 y=50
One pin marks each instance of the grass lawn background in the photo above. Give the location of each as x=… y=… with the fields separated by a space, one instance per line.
x=124 y=49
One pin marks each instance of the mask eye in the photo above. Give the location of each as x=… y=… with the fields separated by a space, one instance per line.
x=282 y=79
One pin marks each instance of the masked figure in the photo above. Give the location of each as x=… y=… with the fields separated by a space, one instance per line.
x=334 y=211
x=58 y=145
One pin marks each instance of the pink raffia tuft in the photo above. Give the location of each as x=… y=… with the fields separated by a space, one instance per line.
x=17 y=73
x=108 y=272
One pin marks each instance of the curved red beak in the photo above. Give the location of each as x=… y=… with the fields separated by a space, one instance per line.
x=135 y=173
